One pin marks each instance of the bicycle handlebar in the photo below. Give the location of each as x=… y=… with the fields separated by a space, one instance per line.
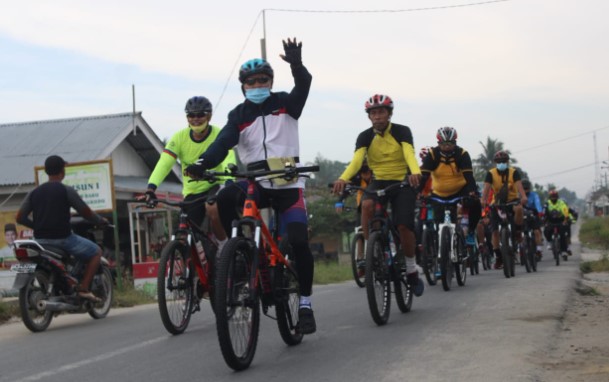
x=287 y=173
x=349 y=188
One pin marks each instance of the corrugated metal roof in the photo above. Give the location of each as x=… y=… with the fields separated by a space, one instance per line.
x=26 y=145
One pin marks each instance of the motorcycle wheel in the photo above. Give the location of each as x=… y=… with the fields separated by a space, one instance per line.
x=34 y=319
x=102 y=286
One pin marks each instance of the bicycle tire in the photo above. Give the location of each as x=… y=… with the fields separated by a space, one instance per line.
x=359 y=278
x=474 y=260
x=287 y=299
x=525 y=258
x=175 y=306
x=460 y=265
x=237 y=304
x=446 y=268
x=403 y=293
x=532 y=252
x=430 y=256
x=556 y=249
x=505 y=252
x=378 y=280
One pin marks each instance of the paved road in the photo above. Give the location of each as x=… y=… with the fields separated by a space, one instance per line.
x=493 y=329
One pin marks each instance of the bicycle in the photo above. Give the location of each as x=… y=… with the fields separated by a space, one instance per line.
x=381 y=266
x=429 y=244
x=186 y=269
x=527 y=248
x=254 y=270
x=452 y=255
x=556 y=242
x=358 y=253
x=507 y=243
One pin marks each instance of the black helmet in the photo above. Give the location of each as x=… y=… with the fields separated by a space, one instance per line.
x=198 y=104
x=526 y=184
x=255 y=66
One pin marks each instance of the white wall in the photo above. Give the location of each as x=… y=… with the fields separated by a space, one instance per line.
x=126 y=162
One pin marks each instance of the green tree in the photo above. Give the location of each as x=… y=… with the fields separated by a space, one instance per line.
x=484 y=162
x=329 y=171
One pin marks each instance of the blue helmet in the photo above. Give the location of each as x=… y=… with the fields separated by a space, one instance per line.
x=255 y=66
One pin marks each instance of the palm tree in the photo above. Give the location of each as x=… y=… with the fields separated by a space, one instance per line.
x=484 y=162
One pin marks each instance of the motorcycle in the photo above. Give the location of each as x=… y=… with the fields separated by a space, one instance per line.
x=46 y=278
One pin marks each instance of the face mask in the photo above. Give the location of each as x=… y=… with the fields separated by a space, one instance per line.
x=198 y=129
x=502 y=166
x=257 y=95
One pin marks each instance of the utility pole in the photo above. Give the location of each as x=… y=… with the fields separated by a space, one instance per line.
x=263 y=39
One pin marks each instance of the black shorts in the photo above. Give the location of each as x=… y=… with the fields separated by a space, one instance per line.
x=402 y=202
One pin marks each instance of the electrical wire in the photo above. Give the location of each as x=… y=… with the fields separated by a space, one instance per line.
x=566 y=171
x=560 y=140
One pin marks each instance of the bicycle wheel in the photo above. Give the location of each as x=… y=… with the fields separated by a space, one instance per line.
x=287 y=300
x=430 y=256
x=556 y=249
x=446 y=267
x=358 y=252
x=531 y=252
x=506 y=250
x=237 y=304
x=523 y=250
x=175 y=293
x=460 y=265
x=378 y=280
x=403 y=293
x=474 y=260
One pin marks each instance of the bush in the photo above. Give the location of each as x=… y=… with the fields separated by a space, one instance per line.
x=594 y=233
x=601 y=265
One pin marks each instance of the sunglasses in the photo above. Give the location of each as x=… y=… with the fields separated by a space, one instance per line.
x=501 y=161
x=196 y=115
x=447 y=143
x=252 y=80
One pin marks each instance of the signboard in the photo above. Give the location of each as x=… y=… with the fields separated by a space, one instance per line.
x=93 y=180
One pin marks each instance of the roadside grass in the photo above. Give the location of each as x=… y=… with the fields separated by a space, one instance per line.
x=586 y=290
x=601 y=265
x=594 y=233
x=8 y=310
x=130 y=296
x=331 y=272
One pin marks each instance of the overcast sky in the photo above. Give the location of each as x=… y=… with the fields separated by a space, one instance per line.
x=531 y=73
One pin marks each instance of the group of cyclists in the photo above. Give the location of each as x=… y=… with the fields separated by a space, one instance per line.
x=264 y=127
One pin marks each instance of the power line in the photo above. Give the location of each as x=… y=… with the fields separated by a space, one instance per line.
x=388 y=10
x=566 y=171
x=343 y=11
x=560 y=140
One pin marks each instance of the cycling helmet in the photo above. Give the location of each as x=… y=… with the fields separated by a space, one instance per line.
x=446 y=134
x=255 y=66
x=526 y=184
x=553 y=194
x=377 y=101
x=198 y=104
x=424 y=152
x=501 y=156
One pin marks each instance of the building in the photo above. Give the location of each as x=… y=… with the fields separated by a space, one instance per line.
x=126 y=139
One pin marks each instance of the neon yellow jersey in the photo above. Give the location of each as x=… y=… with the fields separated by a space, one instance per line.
x=182 y=146
x=390 y=155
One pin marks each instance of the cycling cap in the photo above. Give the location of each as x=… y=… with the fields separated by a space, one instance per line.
x=255 y=66
x=446 y=134
x=501 y=156
x=379 y=100
x=424 y=152
x=198 y=104
x=526 y=184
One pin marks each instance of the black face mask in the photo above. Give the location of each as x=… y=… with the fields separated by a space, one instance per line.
x=447 y=154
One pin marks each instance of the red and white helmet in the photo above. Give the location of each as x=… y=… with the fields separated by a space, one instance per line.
x=446 y=134
x=379 y=100
x=424 y=152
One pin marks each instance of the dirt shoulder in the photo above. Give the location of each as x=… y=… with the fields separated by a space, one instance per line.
x=581 y=348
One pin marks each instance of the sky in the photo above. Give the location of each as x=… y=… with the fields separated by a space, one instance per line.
x=533 y=74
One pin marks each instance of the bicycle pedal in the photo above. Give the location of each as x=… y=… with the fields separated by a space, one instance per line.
x=196 y=308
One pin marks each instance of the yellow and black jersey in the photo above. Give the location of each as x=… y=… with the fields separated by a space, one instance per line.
x=449 y=174
x=390 y=155
x=497 y=179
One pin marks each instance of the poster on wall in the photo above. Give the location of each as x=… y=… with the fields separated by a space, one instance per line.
x=92 y=180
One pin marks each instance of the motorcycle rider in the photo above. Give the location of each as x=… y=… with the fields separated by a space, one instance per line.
x=50 y=205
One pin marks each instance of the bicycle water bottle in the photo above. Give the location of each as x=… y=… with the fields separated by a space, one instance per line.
x=201 y=252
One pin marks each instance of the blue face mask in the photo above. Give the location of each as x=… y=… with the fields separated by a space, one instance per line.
x=502 y=166
x=257 y=95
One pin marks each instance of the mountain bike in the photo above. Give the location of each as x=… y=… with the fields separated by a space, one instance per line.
x=527 y=248
x=186 y=270
x=358 y=257
x=429 y=243
x=507 y=243
x=253 y=270
x=555 y=244
x=381 y=267
x=453 y=253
